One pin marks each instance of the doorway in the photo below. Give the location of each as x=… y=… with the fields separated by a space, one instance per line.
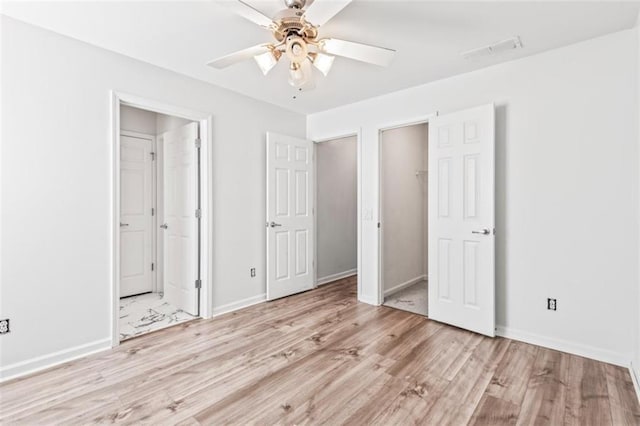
x=336 y=209
x=158 y=235
x=161 y=216
x=404 y=217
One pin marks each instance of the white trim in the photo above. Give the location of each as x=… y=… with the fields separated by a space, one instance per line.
x=205 y=121
x=634 y=379
x=579 y=349
x=240 y=304
x=390 y=126
x=335 y=277
x=405 y=284
x=44 y=362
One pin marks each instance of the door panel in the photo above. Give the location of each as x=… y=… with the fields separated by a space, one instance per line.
x=461 y=237
x=289 y=206
x=180 y=232
x=136 y=201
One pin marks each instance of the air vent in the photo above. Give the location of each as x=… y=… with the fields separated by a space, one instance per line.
x=493 y=49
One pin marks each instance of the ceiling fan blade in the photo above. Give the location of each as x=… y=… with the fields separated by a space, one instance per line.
x=321 y=11
x=358 y=51
x=239 y=56
x=248 y=12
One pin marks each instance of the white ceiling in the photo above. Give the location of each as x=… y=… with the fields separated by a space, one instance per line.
x=428 y=36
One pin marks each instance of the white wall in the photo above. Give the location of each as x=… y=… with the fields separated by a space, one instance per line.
x=148 y=122
x=336 y=198
x=403 y=206
x=635 y=370
x=567 y=187
x=55 y=277
x=164 y=123
x=138 y=120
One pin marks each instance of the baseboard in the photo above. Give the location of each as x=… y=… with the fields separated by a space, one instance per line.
x=634 y=379
x=234 y=306
x=565 y=346
x=404 y=285
x=334 y=277
x=43 y=362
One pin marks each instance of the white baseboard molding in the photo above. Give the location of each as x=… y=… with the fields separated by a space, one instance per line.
x=565 y=346
x=234 y=306
x=635 y=379
x=404 y=285
x=33 y=365
x=335 y=277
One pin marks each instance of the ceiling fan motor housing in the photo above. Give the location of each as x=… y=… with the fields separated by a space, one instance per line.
x=297 y=50
x=292 y=22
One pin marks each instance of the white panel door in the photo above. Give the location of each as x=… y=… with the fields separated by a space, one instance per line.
x=461 y=219
x=136 y=222
x=180 y=227
x=290 y=236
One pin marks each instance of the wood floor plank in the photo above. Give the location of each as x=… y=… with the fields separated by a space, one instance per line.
x=495 y=411
x=587 y=400
x=545 y=398
x=509 y=383
x=624 y=403
x=456 y=404
x=321 y=357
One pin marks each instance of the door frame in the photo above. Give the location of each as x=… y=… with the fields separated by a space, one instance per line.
x=154 y=202
x=379 y=130
x=205 y=121
x=357 y=135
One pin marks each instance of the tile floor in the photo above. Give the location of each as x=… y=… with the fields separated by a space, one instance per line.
x=148 y=312
x=414 y=298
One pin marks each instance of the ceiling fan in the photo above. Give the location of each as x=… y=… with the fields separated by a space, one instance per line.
x=295 y=32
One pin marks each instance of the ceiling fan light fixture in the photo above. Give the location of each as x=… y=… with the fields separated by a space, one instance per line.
x=297 y=75
x=266 y=61
x=295 y=31
x=322 y=62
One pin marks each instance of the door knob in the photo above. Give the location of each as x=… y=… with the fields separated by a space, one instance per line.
x=485 y=231
x=164 y=226
x=123 y=224
x=273 y=224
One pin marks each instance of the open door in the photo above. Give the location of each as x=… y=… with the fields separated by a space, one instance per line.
x=136 y=224
x=461 y=219
x=181 y=225
x=290 y=236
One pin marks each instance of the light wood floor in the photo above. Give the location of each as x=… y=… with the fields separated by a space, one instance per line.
x=321 y=357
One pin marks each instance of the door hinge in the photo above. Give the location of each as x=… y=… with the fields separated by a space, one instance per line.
x=198 y=283
x=153 y=156
x=198 y=143
x=153 y=211
x=378 y=225
x=198 y=213
x=153 y=266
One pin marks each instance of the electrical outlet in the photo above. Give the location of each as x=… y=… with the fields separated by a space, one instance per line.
x=253 y=272
x=551 y=304
x=4 y=326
